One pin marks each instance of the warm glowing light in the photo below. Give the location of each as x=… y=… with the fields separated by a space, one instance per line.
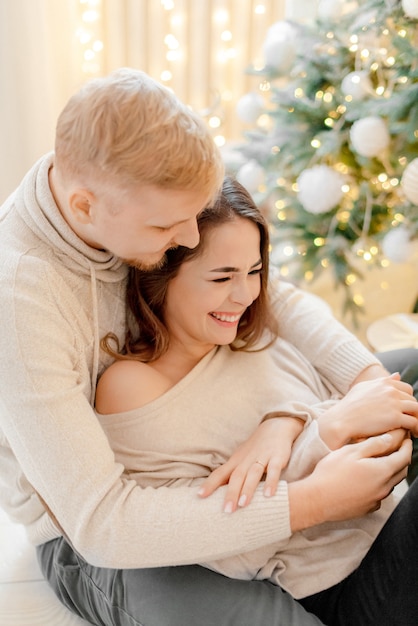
x=214 y=121
x=264 y=86
x=173 y=55
x=343 y=216
x=221 y=16
x=171 y=42
x=90 y=16
x=83 y=36
x=87 y=35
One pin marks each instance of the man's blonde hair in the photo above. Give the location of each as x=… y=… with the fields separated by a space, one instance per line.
x=127 y=129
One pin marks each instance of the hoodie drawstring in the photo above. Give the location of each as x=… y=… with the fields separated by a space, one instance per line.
x=96 y=339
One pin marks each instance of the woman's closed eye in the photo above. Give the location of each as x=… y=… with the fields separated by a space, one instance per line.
x=224 y=279
x=221 y=280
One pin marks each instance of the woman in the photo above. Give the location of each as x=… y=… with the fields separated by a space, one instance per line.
x=218 y=354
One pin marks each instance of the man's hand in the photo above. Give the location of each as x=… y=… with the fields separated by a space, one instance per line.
x=370 y=408
x=263 y=455
x=350 y=482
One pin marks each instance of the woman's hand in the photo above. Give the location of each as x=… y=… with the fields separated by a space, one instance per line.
x=370 y=408
x=350 y=482
x=263 y=455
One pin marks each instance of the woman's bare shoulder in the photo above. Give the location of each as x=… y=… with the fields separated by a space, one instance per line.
x=128 y=385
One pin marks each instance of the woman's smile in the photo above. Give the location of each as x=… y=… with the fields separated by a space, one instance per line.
x=226 y=319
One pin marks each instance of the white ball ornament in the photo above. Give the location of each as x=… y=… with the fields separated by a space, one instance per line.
x=279 y=48
x=410 y=8
x=357 y=85
x=250 y=107
x=369 y=136
x=409 y=181
x=320 y=189
x=396 y=245
x=251 y=175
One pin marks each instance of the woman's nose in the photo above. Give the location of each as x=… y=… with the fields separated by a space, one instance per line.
x=242 y=293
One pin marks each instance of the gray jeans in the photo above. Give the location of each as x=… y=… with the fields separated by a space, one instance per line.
x=167 y=596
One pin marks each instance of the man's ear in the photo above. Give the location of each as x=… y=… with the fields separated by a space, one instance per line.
x=80 y=203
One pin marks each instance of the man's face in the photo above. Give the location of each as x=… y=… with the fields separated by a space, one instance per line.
x=141 y=224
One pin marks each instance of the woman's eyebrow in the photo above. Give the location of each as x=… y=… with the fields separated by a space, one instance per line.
x=234 y=269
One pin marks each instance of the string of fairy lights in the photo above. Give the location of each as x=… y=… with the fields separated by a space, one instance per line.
x=172 y=55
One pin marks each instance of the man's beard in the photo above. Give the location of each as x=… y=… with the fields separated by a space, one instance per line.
x=143 y=266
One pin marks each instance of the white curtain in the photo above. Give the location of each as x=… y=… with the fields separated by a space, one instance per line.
x=44 y=59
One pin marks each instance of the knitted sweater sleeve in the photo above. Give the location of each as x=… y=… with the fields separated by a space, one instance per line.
x=51 y=444
x=307 y=323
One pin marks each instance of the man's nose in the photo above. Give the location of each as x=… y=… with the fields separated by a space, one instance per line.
x=188 y=234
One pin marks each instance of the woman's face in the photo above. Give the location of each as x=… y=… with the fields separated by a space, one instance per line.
x=207 y=298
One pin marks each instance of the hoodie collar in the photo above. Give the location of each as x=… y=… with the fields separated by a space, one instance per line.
x=36 y=205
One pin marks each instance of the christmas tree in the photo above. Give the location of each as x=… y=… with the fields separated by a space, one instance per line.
x=332 y=149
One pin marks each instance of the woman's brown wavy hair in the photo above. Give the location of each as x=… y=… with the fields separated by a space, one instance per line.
x=147 y=338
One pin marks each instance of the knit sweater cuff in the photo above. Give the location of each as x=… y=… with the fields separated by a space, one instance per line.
x=348 y=359
x=275 y=517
